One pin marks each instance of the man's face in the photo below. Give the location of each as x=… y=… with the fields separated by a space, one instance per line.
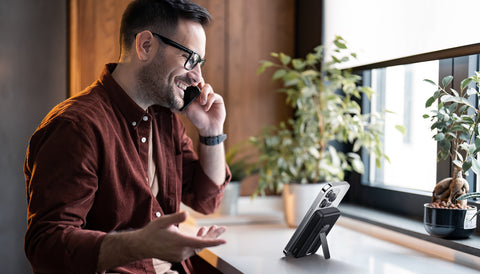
x=163 y=80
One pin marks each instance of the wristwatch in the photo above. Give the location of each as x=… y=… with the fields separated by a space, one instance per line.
x=212 y=140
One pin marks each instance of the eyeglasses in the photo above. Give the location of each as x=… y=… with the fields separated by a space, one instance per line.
x=193 y=57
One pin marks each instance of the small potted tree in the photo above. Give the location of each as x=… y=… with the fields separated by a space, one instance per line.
x=305 y=150
x=455 y=122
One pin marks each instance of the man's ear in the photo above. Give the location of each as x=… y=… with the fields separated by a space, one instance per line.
x=144 y=45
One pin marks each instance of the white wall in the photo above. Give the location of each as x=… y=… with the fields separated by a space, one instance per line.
x=379 y=30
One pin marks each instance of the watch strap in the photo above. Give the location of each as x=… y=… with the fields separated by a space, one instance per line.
x=212 y=140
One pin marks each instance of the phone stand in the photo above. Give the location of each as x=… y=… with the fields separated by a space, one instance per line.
x=324 y=243
x=315 y=233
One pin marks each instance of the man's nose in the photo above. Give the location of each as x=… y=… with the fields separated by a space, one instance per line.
x=196 y=74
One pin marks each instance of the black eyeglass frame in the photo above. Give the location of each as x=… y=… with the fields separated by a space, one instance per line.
x=189 y=63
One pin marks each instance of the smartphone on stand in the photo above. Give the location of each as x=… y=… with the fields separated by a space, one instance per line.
x=321 y=213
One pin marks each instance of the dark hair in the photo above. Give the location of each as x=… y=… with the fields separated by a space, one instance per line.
x=158 y=15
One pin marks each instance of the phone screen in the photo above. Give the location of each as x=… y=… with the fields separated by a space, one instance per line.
x=190 y=94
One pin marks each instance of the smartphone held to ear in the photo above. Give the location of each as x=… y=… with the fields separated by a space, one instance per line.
x=190 y=94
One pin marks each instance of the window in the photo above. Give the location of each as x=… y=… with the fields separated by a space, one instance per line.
x=401 y=89
x=414 y=169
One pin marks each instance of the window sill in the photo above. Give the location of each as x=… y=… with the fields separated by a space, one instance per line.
x=410 y=227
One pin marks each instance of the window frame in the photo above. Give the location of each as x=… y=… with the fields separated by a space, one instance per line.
x=459 y=62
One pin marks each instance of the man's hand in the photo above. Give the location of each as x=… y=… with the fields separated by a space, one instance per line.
x=163 y=239
x=207 y=112
x=159 y=239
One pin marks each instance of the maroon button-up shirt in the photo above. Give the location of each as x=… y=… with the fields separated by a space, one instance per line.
x=86 y=175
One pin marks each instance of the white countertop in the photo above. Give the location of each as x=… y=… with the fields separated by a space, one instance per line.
x=256 y=238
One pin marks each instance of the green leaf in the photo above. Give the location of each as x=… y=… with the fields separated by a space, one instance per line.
x=447 y=80
x=449 y=98
x=285 y=59
x=452 y=107
x=264 y=65
x=430 y=81
x=465 y=83
x=476 y=166
x=455 y=93
x=468 y=196
x=439 y=136
x=429 y=102
x=298 y=64
x=279 y=74
x=358 y=166
x=314 y=152
x=471 y=91
x=339 y=43
x=291 y=78
x=468 y=120
x=477 y=142
x=462 y=109
x=401 y=129
x=467 y=165
x=309 y=73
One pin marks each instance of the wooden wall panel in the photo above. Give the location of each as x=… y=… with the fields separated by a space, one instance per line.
x=242 y=33
x=255 y=28
x=94 y=39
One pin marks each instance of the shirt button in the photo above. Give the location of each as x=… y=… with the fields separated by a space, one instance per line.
x=158 y=214
x=143 y=139
x=134 y=123
x=145 y=118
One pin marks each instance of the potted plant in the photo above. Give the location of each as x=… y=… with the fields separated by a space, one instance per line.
x=305 y=150
x=455 y=121
x=241 y=165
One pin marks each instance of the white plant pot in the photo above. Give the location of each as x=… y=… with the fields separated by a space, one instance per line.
x=229 y=203
x=297 y=200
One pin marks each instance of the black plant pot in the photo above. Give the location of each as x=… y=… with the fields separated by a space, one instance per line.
x=449 y=223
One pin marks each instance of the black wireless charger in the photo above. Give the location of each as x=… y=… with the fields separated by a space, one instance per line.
x=315 y=233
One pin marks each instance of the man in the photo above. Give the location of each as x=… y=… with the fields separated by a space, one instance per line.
x=106 y=170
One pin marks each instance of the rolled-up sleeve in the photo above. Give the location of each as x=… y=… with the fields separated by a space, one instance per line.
x=199 y=191
x=61 y=182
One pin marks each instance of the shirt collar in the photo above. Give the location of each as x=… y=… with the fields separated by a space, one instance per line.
x=128 y=107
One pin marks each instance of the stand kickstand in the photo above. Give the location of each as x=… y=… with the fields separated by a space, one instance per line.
x=323 y=240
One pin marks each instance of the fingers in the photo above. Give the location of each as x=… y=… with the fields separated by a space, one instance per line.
x=206 y=237
x=208 y=97
x=202 y=231
x=212 y=232
x=207 y=91
x=215 y=232
x=171 y=219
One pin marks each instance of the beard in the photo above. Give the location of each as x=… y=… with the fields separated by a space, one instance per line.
x=149 y=83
